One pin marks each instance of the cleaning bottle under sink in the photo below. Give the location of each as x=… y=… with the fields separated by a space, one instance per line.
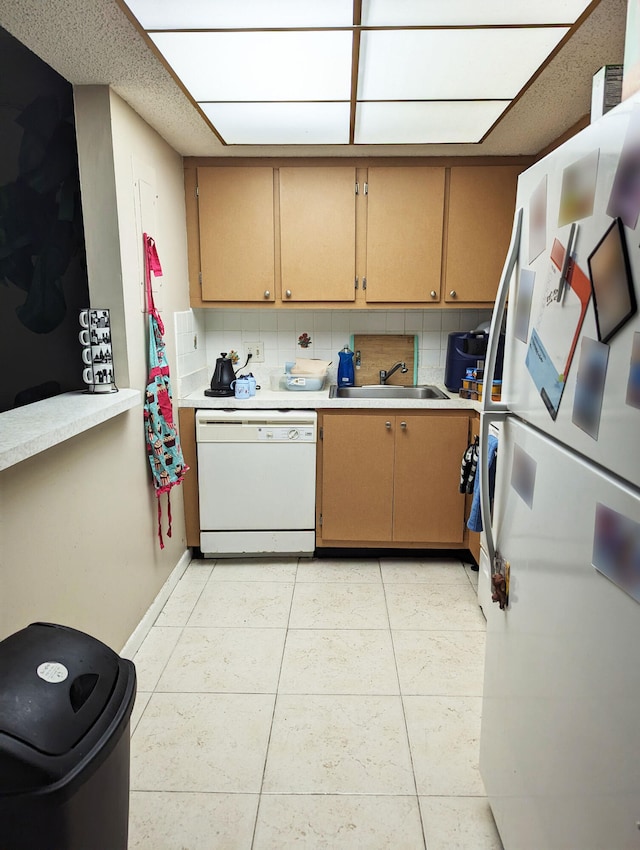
x=345 y=367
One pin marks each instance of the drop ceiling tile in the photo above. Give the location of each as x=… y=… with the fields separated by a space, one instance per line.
x=280 y=123
x=253 y=66
x=223 y=14
x=451 y=64
x=425 y=122
x=463 y=12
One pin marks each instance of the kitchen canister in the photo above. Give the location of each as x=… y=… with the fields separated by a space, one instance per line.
x=97 y=352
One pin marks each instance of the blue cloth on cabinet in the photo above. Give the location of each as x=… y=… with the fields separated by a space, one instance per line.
x=474 y=523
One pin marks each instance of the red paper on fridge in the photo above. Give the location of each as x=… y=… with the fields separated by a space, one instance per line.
x=556 y=329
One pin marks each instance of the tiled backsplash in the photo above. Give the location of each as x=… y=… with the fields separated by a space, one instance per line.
x=329 y=330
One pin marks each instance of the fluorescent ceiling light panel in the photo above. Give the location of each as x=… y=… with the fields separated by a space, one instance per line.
x=451 y=64
x=425 y=123
x=380 y=13
x=280 y=71
x=280 y=123
x=253 y=66
x=241 y=14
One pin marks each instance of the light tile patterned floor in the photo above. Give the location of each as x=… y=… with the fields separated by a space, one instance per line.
x=313 y=704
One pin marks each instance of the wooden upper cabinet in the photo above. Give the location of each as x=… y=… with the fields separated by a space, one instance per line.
x=237 y=237
x=317 y=233
x=405 y=215
x=481 y=209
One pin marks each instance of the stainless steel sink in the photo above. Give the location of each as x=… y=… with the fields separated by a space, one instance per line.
x=424 y=391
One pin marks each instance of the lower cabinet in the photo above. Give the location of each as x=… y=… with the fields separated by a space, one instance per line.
x=187 y=425
x=391 y=478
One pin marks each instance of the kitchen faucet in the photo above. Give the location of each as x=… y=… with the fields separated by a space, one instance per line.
x=384 y=376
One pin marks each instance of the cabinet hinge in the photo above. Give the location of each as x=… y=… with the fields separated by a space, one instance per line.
x=200 y=278
x=321 y=433
x=366 y=188
x=320 y=519
x=357 y=188
x=364 y=283
x=197 y=192
x=356 y=283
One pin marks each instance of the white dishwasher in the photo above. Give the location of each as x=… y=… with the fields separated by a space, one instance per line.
x=257 y=481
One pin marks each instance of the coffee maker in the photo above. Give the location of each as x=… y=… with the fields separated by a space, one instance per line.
x=466 y=350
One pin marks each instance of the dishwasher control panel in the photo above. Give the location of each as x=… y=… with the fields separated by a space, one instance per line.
x=256 y=426
x=286 y=434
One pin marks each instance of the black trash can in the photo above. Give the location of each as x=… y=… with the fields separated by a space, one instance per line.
x=65 y=706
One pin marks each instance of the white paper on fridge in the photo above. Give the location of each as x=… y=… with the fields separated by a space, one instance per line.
x=556 y=330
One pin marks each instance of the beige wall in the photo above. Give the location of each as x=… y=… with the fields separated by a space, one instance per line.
x=78 y=540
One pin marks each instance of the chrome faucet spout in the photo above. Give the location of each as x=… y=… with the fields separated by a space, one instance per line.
x=384 y=375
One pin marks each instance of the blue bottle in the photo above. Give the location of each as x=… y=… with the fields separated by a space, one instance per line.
x=345 y=367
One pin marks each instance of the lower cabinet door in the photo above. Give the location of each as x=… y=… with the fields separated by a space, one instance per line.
x=357 y=477
x=426 y=503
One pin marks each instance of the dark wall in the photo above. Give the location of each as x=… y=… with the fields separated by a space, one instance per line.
x=43 y=281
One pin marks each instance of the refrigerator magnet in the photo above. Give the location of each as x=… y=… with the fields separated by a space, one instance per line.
x=524 y=299
x=523 y=475
x=633 y=384
x=578 y=189
x=616 y=549
x=592 y=371
x=625 y=193
x=556 y=329
x=614 y=297
x=538 y=220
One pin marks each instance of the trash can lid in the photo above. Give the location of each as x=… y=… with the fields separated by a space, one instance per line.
x=56 y=682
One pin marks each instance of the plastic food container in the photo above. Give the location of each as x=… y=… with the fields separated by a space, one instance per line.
x=277 y=381
x=305 y=383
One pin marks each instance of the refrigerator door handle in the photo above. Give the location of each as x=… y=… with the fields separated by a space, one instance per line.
x=486 y=420
x=498 y=316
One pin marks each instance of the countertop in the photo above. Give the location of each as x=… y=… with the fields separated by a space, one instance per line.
x=29 y=430
x=286 y=399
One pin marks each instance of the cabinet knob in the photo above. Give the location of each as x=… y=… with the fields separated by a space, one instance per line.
x=288 y=293
x=403 y=424
x=267 y=294
x=387 y=425
x=433 y=293
x=453 y=293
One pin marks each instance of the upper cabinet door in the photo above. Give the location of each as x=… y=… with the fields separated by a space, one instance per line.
x=317 y=233
x=405 y=215
x=237 y=241
x=481 y=208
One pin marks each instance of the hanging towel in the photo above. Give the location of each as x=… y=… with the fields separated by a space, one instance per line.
x=474 y=523
x=163 y=446
x=469 y=466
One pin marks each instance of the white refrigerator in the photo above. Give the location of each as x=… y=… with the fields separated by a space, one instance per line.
x=560 y=739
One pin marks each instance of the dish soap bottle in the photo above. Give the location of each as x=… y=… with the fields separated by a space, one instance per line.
x=345 y=367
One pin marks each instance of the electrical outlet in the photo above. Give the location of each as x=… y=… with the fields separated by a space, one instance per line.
x=256 y=351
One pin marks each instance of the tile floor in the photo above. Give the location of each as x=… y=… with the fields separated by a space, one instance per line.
x=315 y=704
